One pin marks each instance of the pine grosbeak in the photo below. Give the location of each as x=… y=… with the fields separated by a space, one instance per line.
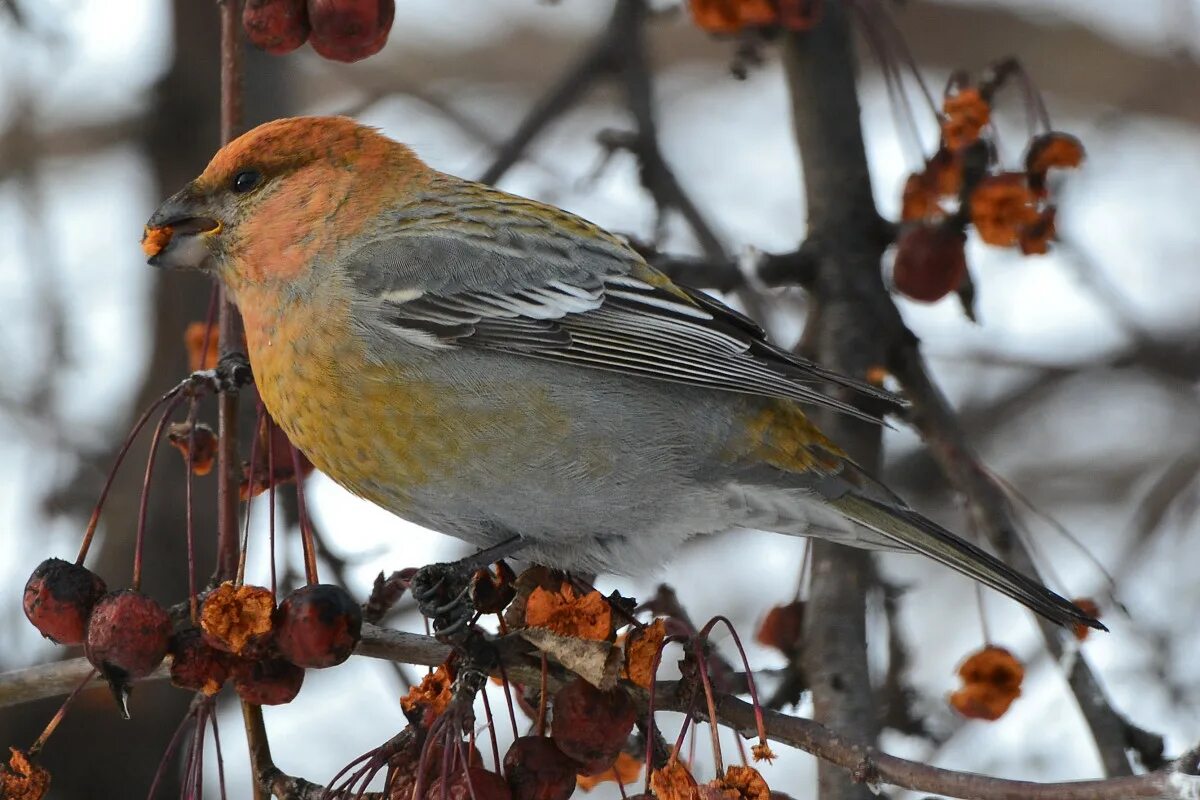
x=490 y=366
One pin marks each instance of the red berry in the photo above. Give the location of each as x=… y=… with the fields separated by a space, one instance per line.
x=350 y=30
x=267 y=682
x=930 y=262
x=475 y=783
x=592 y=726
x=59 y=596
x=195 y=665
x=277 y=26
x=537 y=770
x=127 y=635
x=318 y=626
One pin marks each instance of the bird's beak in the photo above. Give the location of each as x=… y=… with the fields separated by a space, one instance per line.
x=178 y=235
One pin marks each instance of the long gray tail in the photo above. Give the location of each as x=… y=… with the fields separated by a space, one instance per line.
x=908 y=528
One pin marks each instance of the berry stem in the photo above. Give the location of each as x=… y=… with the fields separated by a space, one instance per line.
x=306 y=536
x=244 y=550
x=710 y=701
x=136 y=583
x=220 y=758
x=172 y=746
x=491 y=726
x=94 y=521
x=189 y=524
x=59 y=715
x=543 y=690
x=271 y=502
x=752 y=690
x=512 y=712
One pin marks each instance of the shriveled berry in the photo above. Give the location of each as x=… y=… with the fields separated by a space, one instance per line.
x=277 y=26
x=127 y=635
x=930 y=262
x=237 y=619
x=492 y=592
x=318 y=626
x=349 y=30
x=195 y=664
x=267 y=682
x=475 y=783
x=592 y=726
x=417 y=755
x=59 y=597
x=537 y=770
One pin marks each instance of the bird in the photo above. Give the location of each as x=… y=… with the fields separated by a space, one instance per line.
x=506 y=372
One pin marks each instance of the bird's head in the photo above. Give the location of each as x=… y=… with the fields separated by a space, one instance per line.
x=277 y=202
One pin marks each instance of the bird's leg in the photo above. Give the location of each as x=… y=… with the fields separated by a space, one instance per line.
x=442 y=590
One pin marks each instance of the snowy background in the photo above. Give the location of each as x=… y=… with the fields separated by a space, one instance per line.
x=1078 y=385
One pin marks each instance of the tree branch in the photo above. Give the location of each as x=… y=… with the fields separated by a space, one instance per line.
x=843 y=331
x=862 y=763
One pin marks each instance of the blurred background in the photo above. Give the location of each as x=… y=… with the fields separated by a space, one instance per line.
x=1078 y=384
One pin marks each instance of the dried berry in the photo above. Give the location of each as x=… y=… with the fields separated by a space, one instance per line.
x=491 y=592
x=537 y=770
x=277 y=26
x=318 y=626
x=200 y=341
x=127 y=636
x=673 y=781
x=196 y=443
x=195 y=664
x=427 y=700
x=625 y=771
x=783 y=628
x=59 y=597
x=930 y=262
x=22 y=779
x=349 y=30
x=592 y=726
x=991 y=682
x=267 y=682
x=474 y=783
x=237 y=618
x=641 y=647
x=1088 y=606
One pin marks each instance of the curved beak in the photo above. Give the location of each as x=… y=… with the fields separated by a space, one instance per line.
x=177 y=235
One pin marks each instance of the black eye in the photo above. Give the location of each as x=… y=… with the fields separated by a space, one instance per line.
x=246 y=180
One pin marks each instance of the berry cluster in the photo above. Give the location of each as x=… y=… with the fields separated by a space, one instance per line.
x=963 y=185
x=339 y=30
x=242 y=635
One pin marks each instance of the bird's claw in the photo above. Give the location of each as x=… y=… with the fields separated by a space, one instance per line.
x=442 y=592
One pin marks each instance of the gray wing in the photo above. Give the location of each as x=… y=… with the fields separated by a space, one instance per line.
x=469 y=266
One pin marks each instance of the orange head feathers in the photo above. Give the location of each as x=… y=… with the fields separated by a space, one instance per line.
x=273 y=203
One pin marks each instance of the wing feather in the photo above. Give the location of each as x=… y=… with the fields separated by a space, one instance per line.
x=516 y=276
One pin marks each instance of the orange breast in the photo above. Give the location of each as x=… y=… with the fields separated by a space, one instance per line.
x=382 y=431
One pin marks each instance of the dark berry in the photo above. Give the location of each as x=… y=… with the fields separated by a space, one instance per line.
x=537 y=770
x=592 y=726
x=930 y=262
x=59 y=597
x=277 y=26
x=318 y=626
x=267 y=682
x=195 y=664
x=127 y=637
x=475 y=783
x=349 y=30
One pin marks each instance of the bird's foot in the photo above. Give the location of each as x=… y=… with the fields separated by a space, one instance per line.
x=442 y=592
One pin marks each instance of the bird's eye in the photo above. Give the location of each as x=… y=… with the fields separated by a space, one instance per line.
x=246 y=180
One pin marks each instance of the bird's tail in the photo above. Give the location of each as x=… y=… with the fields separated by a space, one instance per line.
x=911 y=530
